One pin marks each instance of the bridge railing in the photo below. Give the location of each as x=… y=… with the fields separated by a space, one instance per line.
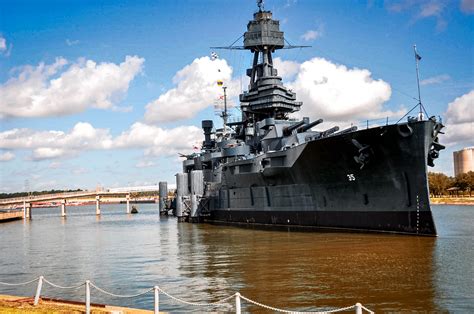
x=45 y=197
x=235 y=298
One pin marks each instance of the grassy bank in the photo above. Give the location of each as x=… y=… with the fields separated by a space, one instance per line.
x=14 y=305
x=452 y=200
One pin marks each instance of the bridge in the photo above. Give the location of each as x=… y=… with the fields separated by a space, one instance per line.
x=27 y=202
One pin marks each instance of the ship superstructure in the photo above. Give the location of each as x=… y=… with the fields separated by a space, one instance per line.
x=268 y=169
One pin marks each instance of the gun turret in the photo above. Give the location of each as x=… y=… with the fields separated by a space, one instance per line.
x=329 y=131
x=289 y=129
x=306 y=127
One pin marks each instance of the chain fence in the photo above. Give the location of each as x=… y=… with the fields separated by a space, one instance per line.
x=237 y=297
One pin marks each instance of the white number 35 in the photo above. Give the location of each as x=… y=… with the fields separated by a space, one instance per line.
x=351 y=177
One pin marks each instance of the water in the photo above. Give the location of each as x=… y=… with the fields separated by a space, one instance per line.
x=126 y=254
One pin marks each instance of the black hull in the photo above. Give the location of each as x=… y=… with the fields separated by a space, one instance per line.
x=320 y=185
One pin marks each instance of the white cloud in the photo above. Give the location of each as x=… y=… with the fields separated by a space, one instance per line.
x=337 y=93
x=311 y=35
x=44 y=90
x=435 y=79
x=145 y=164
x=467 y=6
x=421 y=9
x=459 y=120
x=56 y=144
x=158 y=141
x=84 y=137
x=7 y=156
x=3 y=44
x=70 y=42
x=196 y=89
x=286 y=69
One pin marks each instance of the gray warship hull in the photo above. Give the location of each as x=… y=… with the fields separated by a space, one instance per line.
x=319 y=185
x=269 y=169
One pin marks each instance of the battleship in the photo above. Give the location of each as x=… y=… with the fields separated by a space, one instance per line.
x=270 y=170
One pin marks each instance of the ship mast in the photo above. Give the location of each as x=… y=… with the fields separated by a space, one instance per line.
x=418 y=58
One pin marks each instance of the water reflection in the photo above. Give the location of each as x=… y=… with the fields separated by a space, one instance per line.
x=203 y=263
x=313 y=270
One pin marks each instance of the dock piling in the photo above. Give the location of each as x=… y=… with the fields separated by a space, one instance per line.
x=128 y=203
x=97 y=205
x=63 y=208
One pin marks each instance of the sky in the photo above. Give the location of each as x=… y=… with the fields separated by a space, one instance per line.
x=107 y=93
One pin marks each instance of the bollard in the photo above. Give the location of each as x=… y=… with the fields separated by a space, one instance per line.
x=237 y=303
x=63 y=208
x=97 y=205
x=157 y=299
x=128 y=203
x=88 y=297
x=358 y=307
x=38 y=290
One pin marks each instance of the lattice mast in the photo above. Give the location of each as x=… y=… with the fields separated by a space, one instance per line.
x=266 y=97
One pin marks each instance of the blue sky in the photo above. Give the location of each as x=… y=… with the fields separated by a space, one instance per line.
x=108 y=92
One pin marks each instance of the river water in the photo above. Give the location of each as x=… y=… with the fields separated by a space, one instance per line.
x=126 y=254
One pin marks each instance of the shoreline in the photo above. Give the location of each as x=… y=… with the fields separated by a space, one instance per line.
x=17 y=304
x=465 y=201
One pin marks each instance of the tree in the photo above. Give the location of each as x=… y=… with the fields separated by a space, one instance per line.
x=438 y=183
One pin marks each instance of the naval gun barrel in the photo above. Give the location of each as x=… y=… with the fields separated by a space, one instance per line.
x=289 y=129
x=348 y=130
x=329 y=131
x=306 y=127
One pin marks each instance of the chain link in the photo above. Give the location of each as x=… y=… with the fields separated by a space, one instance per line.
x=19 y=284
x=196 y=304
x=294 y=312
x=370 y=312
x=62 y=287
x=121 y=296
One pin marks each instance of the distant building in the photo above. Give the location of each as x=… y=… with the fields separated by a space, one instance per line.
x=463 y=160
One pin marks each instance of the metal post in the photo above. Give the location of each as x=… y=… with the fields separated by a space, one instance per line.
x=88 y=297
x=367 y=124
x=237 y=303
x=38 y=290
x=224 y=114
x=358 y=307
x=97 y=205
x=128 y=203
x=63 y=208
x=417 y=58
x=157 y=300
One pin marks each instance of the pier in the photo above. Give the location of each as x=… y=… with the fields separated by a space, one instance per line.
x=26 y=204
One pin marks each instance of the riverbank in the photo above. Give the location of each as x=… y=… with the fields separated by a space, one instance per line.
x=15 y=304
x=452 y=200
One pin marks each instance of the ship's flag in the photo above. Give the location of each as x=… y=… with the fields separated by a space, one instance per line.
x=214 y=56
